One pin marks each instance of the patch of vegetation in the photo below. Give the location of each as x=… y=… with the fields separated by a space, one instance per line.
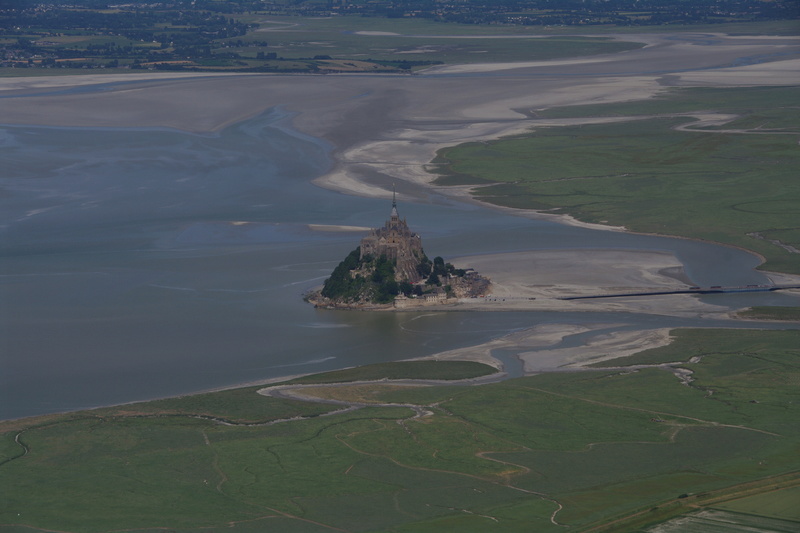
x=439 y=370
x=386 y=42
x=358 y=279
x=771 y=313
x=586 y=449
x=688 y=343
x=342 y=284
x=369 y=279
x=731 y=183
x=780 y=504
x=239 y=406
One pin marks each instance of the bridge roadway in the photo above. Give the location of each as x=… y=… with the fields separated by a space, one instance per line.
x=715 y=289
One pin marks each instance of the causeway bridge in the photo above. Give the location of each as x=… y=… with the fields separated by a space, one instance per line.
x=714 y=289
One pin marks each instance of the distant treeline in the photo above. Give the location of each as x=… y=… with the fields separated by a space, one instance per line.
x=524 y=12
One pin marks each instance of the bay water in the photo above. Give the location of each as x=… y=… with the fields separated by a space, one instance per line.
x=145 y=263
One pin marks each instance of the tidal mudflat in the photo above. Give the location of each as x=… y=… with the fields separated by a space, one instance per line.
x=159 y=231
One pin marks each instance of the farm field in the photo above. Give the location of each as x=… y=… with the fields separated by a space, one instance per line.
x=612 y=449
x=771 y=313
x=393 y=40
x=714 y=164
x=723 y=521
x=781 y=504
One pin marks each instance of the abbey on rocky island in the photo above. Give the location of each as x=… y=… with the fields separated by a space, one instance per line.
x=389 y=269
x=397 y=243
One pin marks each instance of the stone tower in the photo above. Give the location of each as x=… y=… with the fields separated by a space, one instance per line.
x=398 y=243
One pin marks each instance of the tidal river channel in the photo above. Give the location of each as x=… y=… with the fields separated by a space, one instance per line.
x=144 y=263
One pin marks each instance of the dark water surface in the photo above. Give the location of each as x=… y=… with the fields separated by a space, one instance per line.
x=125 y=276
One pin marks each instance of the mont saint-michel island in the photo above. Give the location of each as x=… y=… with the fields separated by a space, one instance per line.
x=389 y=270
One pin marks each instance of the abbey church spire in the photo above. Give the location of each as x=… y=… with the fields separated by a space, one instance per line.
x=395 y=216
x=397 y=243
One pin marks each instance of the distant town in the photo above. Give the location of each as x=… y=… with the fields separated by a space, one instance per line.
x=547 y=12
x=207 y=35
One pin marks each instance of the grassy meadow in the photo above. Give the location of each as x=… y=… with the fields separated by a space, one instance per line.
x=553 y=452
x=789 y=314
x=733 y=183
x=781 y=504
x=444 y=370
x=414 y=40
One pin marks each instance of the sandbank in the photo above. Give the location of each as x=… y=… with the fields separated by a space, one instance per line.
x=82 y=80
x=601 y=347
x=338 y=228
x=539 y=280
x=494 y=67
x=383 y=33
x=775 y=73
x=538 y=347
x=540 y=336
